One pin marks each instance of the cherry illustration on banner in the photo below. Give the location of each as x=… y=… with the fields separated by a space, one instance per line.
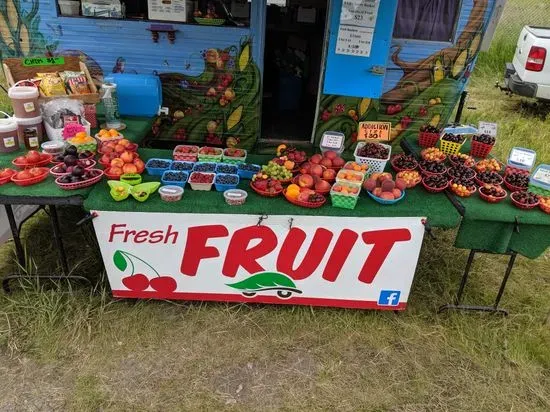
x=139 y=282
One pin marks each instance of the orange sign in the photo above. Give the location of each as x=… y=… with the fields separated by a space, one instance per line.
x=374 y=131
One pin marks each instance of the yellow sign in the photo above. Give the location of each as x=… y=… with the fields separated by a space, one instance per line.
x=374 y=131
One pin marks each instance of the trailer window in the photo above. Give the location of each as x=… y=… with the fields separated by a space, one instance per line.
x=430 y=20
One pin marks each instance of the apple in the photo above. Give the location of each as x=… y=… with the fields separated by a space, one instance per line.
x=331 y=155
x=129 y=168
x=305 y=181
x=124 y=142
x=140 y=165
x=316 y=170
x=338 y=162
x=329 y=174
x=322 y=186
x=105 y=159
x=117 y=162
x=127 y=157
x=107 y=149
x=316 y=158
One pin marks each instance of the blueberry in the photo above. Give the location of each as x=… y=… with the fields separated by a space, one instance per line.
x=158 y=164
x=204 y=167
x=226 y=179
x=249 y=167
x=175 y=176
x=182 y=166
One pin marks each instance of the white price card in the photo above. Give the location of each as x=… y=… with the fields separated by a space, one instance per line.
x=488 y=128
x=542 y=175
x=522 y=157
x=332 y=140
x=354 y=41
x=361 y=13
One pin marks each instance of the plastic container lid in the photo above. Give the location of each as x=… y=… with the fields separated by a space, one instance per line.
x=8 y=124
x=28 y=122
x=23 y=92
x=541 y=177
x=53 y=145
x=235 y=195
x=171 y=190
x=334 y=141
x=519 y=157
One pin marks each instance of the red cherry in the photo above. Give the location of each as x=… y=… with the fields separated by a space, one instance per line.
x=165 y=284
x=138 y=282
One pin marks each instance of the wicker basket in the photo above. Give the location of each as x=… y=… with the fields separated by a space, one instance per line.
x=15 y=71
x=375 y=165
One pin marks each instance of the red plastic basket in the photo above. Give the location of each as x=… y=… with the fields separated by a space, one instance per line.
x=307 y=205
x=523 y=205
x=452 y=162
x=510 y=170
x=6 y=179
x=544 y=208
x=424 y=172
x=482 y=183
x=426 y=139
x=470 y=193
x=80 y=185
x=32 y=181
x=265 y=194
x=433 y=189
x=46 y=159
x=398 y=169
x=295 y=181
x=109 y=175
x=480 y=150
x=513 y=188
x=413 y=184
x=492 y=199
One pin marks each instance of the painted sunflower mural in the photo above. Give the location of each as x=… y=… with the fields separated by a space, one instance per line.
x=217 y=107
x=426 y=93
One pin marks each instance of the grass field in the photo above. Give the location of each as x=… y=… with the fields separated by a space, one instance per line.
x=83 y=351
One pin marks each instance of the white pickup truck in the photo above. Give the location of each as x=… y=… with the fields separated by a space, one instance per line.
x=529 y=73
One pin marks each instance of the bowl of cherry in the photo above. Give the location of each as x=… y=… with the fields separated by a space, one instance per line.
x=435 y=183
x=516 y=182
x=525 y=200
x=492 y=178
x=431 y=168
x=461 y=172
x=462 y=159
x=403 y=162
x=492 y=193
x=462 y=187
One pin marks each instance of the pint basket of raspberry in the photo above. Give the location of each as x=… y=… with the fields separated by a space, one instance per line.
x=226 y=181
x=492 y=193
x=428 y=136
x=482 y=145
x=525 y=200
x=210 y=154
x=451 y=143
x=201 y=181
x=435 y=183
x=234 y=156
x=516 y=182
x=186 y=153
x=345 y=195
x=403 y=162
x=376 y=155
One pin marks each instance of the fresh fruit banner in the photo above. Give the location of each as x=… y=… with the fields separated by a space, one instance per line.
x=363 y=263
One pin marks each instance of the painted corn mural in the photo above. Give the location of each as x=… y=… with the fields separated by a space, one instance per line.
x=426 y=92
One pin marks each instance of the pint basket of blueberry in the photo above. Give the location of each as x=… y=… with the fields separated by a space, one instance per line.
x=451 y=143
x=205 y=167
x=428 y=136
x=482 y=145
x=403 y=162
x=201 y=181
x=376 y=155
x=235 y=156
x=182 y=166
x=186 y=153
x=226 y=168
x=156 y=167
x=492 y=193
x=175 y=178
x=226 y=181
x=435 y=183
x=247 y=171
x=525 y=200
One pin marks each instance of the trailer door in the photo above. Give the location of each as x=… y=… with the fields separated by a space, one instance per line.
x=360 y=33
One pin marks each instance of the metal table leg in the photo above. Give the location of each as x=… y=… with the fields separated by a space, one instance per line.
x=19 y=251
x=458 y=305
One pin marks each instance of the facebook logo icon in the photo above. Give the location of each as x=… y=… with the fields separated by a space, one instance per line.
x=389 y=298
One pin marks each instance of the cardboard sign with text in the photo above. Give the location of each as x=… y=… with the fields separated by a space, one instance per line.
x=364 y=263
x=374 y=131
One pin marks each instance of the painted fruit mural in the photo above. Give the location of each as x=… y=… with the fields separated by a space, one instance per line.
x=217 y=107
x=426 y=93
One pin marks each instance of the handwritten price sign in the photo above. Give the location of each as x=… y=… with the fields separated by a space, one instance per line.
x=43 y=61
x=370 y=131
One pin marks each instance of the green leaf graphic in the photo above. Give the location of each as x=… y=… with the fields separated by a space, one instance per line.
x=264 y=280
x=120 y=261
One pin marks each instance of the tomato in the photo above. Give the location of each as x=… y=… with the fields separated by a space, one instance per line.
x=21 y=160
x=6 y=172
x=33 y=156
x=36 y=171
x=24 y=175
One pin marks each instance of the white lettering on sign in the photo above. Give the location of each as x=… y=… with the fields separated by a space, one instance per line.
x=357 y=23
x=488 y=128
x=522 y=157
x=364 y=263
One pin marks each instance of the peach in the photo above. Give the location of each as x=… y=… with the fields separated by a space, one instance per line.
x=338 y=162
x=316 y=170
x=401 y=184
x=117 y=162
x=305 y=168
x=331 y=154
x=384 y=176
x=329 y=174
x=139 y=164
x=129 y=168
x=397 y=193
x=316 y=158
x=127 y=157
x=326 y=162
x=124 y=142
x=305 y=181
x=387 y=196
x=117 y=171
x=369 y=185
x=377 y=192
x=119 y=148
x=322 y=186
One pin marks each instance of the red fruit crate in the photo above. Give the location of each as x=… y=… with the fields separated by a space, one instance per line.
x=426 y=139
x=187 y=157
x=480 y=150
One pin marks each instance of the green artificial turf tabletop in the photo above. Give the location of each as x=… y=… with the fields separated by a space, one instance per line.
x=493 y=227
x=417 y=202
x=136 y=129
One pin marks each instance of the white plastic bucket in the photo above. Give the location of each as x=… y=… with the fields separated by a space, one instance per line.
x=8 y=134
x=69 y=7
x=30 y=132
x=24 y=100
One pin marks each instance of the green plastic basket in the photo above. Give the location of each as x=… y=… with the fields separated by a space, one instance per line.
x=210 y=158
x=343 y=201
x=539 y=190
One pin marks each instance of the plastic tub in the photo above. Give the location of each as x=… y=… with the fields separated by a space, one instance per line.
x=30 y=132
x=181 y=182
x=171 y=193
x=222 y=187
x=53 y=147
x=157 y=171
x=24 y=100
x=138 y=94
x=235 y=197
x=8 y=134
x=248 y=174
x=202 y=186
